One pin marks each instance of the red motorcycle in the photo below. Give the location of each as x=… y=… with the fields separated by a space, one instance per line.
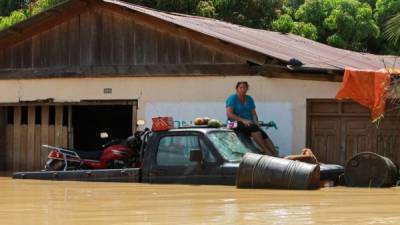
x=116 y=154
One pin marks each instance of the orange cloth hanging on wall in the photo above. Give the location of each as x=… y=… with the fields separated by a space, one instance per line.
x=367 y=88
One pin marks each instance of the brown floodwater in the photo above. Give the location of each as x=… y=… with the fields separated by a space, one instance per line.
x=84 y=203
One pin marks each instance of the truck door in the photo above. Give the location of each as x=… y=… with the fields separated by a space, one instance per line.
x=172 y=161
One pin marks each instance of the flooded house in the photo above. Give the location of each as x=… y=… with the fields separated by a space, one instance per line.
x=85 y=67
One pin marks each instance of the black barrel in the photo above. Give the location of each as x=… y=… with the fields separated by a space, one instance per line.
x=368 y=169
x=262 y=171
x=331 y=172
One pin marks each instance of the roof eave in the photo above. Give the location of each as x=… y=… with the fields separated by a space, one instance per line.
x=38 y=22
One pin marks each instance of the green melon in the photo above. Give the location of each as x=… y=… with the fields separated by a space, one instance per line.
x=214 y=123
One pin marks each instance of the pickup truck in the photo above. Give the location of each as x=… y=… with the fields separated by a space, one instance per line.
x=189 y=155
x=192 y=155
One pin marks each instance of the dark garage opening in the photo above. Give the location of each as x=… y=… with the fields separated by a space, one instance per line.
x=89 y=121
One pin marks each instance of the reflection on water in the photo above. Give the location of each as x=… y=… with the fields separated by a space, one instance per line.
x=83 y=203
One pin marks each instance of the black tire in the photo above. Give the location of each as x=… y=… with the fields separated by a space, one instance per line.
x=115 y=164
x=54 y=165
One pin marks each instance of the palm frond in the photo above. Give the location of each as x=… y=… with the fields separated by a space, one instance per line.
x=392 y=29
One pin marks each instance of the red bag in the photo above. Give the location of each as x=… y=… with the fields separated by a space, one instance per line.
x=162 y=123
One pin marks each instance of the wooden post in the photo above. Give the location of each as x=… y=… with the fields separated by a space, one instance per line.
x=38 y=148
x=44 y=133
x=3 y=148
x=23 y=153
x=134 y=118
x=58 y=125
x=16 y=138
x=30 y=148
x=70 y=128
x=10 y=148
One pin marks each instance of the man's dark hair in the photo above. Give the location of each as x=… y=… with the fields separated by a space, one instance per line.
x=242 y=82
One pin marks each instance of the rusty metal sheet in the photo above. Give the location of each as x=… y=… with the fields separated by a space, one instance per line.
x=273 y=44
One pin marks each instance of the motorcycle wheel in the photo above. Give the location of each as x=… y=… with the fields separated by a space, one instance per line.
x=54 y=165
x=118 y=164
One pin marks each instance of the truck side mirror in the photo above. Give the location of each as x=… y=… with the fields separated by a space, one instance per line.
x=196 y=155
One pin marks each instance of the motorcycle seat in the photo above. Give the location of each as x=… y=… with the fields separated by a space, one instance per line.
x=93 y=155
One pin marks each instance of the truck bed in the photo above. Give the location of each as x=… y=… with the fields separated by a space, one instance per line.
x=106 y=175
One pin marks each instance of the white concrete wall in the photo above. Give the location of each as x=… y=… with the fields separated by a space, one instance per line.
x=280 y=100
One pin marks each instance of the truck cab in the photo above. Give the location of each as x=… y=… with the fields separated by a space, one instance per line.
x=192 y=156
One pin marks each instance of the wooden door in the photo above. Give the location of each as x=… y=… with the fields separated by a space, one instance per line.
x=387 y=138
x=337 y=130
x=326 y=138
x=357 y=136
x=26 y=134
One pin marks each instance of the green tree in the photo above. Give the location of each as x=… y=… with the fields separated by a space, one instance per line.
x=371 y=3
x=41 y=5
x=148 y=3
x=283 y=24
x=341 y=23
x=206 y=9
x=7 y=6
x=294 y=4
x=289 y=7
x=15 y=17
x=28 y=8
x=252 y=13
x=181 y=6
x=307 y=30
x=386 y=9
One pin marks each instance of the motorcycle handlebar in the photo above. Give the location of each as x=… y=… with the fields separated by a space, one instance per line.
x=269 y=124
x=112 y=142
x=141 y=133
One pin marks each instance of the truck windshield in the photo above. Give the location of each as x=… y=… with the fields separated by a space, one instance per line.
x=228 y=144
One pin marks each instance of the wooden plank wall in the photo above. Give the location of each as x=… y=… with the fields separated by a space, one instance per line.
x=24 y=151
x=102 y=37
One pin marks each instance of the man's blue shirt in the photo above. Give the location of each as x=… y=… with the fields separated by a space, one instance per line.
x=242 y=110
